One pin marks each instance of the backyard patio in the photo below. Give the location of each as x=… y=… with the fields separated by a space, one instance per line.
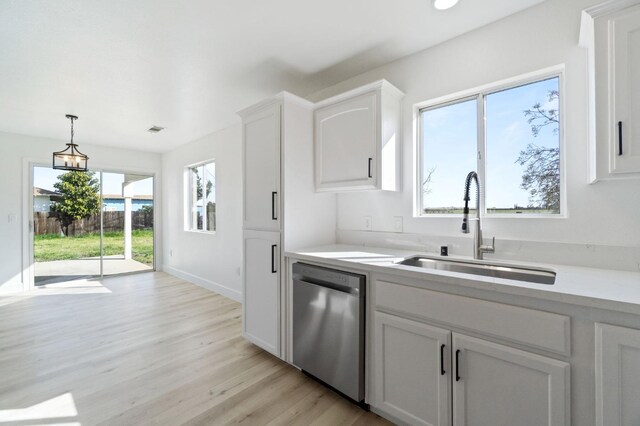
x=59 y=258
x=65 y=270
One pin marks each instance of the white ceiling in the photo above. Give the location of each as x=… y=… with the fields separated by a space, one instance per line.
x=123 y=66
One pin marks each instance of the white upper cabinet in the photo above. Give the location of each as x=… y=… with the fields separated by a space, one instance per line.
x=357 y=139
x=624 y=34
x=346 y=144
x=611 y=31
x=261 y=158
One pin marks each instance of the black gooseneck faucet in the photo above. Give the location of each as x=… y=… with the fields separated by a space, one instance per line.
x=478 y=248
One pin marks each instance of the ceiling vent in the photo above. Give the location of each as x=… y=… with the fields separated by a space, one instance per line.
x=155 y=129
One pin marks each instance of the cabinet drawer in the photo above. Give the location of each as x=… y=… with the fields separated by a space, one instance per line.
x=537 y=329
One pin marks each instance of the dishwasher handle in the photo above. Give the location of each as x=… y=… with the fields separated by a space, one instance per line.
x=332 y=286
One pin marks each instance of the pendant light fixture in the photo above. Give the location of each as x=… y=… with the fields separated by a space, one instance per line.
x=70 y=158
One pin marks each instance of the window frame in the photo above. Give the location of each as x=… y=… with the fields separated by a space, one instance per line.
x=188 y=199
x=479 y=94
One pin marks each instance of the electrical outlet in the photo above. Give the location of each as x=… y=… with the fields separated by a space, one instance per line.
x=397 y=224
x=367 y=223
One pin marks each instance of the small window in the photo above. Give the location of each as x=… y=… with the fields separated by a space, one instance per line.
x=514 y=147
x=202 y=197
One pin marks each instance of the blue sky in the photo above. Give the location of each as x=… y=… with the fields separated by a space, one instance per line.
x=45 y=177
x=449 y=137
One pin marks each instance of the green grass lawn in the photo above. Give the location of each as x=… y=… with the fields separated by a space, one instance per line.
x=54 y=247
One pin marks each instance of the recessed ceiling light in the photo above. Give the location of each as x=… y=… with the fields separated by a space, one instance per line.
x=155 y=129
x=444 y=4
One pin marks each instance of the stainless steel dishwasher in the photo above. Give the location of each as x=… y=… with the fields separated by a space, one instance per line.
x=328 y=327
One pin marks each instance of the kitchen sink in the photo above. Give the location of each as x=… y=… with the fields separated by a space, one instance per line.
x=531 y=275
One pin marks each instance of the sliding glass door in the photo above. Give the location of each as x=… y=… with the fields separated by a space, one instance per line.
x=92 y=224
x=127 y=218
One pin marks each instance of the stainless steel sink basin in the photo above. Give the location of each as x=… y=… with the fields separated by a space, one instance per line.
x=538 y=276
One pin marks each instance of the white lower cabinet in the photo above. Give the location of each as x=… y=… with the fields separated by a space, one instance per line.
x=617 y=376
x=495 y=385
x=412 y=366
x=261 y=292
x=426 y=375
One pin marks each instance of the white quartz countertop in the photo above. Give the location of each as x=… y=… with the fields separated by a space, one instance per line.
x=598 y=288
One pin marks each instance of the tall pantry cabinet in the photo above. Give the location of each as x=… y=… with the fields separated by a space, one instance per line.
x=281 y=210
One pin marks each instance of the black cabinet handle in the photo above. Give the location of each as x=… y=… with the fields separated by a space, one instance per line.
x=369 y=172
x=458 y=365
x=442 y=372
x=273 y=205
x=619 y=137
x=273 y=259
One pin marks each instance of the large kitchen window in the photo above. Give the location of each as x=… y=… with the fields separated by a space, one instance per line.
x=510 y=135
x=201 y=198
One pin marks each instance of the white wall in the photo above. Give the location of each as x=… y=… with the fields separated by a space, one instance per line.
x=210 y=260
x=16 y=151
x=605 y=213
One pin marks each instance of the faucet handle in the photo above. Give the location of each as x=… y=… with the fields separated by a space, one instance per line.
x=489 y=248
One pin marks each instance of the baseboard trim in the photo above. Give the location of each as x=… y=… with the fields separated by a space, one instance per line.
x=204 y=283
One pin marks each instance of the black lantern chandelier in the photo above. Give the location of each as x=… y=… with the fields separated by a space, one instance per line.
x=70 y=158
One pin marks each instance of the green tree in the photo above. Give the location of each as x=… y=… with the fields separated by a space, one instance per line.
x=146 y=209
x=541 y=177
x=199 y=184
x=79 y=198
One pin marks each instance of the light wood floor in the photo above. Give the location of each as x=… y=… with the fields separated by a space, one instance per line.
x=148 y=349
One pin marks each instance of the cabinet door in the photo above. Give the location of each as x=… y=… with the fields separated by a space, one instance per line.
x=617 y=376
x=495 y=385
x=345 y=138
x=412 y=376
x=261 y=162
x=261 y=289
x=624 y=33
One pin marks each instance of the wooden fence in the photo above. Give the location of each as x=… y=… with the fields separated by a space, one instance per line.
x=46 y=223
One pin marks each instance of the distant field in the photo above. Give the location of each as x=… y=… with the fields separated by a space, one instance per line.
x=523 y=211
x=51 y=247
x=444 y=210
